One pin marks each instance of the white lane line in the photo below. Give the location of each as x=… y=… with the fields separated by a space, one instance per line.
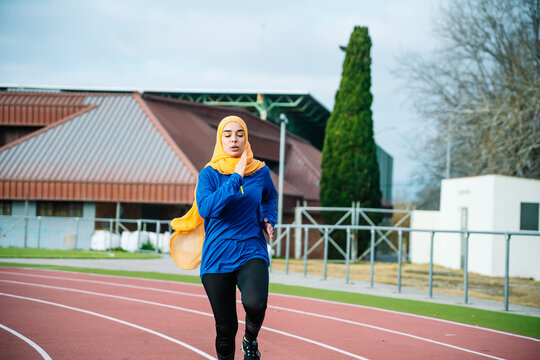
x=186 y=310
x=271 y=306
x=107 y=283
x=388 y=330
x=194 y=349
x=36 y=347
x=413 y=315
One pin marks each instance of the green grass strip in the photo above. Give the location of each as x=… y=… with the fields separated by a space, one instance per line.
x=513 y=323
x=71 y=254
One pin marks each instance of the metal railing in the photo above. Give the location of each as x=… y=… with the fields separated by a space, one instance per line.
x=356 y=214
x=47 y=232
x=325 y=229
x=56 y=232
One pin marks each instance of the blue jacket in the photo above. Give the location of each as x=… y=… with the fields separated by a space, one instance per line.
x=234 y=209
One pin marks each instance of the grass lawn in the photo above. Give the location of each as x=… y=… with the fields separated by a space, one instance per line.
x=518 y=324
x=71 y=254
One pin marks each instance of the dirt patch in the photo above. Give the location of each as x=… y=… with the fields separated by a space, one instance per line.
x=521 y=291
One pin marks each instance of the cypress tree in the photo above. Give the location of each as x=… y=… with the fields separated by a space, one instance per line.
x=350 y=171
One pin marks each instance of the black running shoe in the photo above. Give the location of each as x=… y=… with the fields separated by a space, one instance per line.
x=251 y=350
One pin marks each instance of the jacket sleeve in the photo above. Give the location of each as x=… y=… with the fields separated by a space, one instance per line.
x=212 y=197
x=269 y=199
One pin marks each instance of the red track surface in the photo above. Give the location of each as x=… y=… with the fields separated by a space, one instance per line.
x=85 y=316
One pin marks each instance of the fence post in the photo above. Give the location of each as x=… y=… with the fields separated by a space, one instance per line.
x=110 y=233
x=400 y=254
x=26 y=223
x=353 y=222
x=297 y=231
x=348 y=256
x=138 y=234
x=39 y=232
x=306 y=236
x=325 y=251
x=466 y=270
x=372 y=256
x=76 y=232
x=431 y=265
x=507 y=272
x=287 y=244
x=158 y=231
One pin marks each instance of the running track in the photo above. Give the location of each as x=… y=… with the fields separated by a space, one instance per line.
x=63 y=315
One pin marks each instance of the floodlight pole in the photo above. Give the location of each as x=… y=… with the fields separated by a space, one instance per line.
x=284 y=121
x=449 y=140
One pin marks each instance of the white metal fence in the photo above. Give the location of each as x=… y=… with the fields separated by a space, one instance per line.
x=51 y=232
x=76 y=233
x=325 y=230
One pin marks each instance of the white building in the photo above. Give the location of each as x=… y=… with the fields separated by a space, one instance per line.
x=489 y=203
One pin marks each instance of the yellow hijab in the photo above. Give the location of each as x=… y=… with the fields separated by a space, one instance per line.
x=186 y=243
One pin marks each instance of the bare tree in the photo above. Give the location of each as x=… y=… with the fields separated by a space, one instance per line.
x=480 y=90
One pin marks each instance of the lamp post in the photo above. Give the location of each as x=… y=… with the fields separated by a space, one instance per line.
x=284 y=121
x=449 y=141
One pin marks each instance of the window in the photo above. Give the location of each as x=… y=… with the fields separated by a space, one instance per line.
x=5 y=207
x=66 y=209
x=529 y=216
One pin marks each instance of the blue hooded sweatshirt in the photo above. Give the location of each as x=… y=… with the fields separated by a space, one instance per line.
x=234 y=209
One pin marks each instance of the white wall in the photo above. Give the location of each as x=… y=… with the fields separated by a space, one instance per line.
x=493 y=204
x=476 y=195
x=510 y=192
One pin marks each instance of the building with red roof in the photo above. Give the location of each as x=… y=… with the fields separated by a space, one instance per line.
x=126 y=154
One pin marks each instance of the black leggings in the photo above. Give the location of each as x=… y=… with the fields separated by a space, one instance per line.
x=252 y=280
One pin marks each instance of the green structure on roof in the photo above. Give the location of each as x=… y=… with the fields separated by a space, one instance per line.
x=307 y=117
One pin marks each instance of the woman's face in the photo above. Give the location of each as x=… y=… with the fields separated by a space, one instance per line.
x=233 y=139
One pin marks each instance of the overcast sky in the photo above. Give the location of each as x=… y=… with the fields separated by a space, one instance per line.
x=221 y=45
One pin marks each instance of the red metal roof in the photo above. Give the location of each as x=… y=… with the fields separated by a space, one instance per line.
x=303 y=169
x=128 y=148
x=27 y=109
x=115 y=151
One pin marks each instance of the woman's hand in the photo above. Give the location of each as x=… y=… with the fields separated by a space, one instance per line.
x=241 y=166
x=269 y=229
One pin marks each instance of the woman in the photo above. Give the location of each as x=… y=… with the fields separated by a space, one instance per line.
x=237 y=199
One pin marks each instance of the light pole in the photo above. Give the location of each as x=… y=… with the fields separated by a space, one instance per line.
x=449 y=140
x=453 y=113
x=448 y=148
x=284 y=121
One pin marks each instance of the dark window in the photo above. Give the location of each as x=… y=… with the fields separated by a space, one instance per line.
x=67 y=209
x=529 y=216
x=11 y=133
x=5 y=207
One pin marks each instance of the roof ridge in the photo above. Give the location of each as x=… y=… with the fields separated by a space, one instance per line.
x=161 y=129
x=39 y=93
x=198 y=105
x=50 y=126
x=63 y=93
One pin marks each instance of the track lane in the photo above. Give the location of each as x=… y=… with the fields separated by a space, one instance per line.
x=310 y=331
x=15 y=345
x=339 y=312
x=194 y=329
x=72 y=333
